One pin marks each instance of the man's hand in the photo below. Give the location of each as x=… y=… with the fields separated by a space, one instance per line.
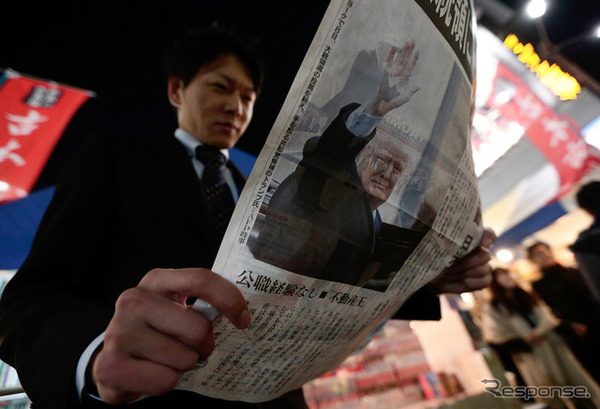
x=395 y=89
x=472 y=272
x=154 y=335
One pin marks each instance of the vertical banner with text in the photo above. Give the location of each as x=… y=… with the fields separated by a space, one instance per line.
x=33 y=116
x=556 y=135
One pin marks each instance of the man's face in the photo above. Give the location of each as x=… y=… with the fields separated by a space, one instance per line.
x=216 y=106
x=542 y=256
x=379 y=173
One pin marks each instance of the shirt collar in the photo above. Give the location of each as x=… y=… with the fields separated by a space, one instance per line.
x=190 y=143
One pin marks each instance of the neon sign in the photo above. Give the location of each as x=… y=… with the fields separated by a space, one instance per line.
x=552 y=76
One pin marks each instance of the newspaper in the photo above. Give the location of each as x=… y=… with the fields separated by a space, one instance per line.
x=363 y=193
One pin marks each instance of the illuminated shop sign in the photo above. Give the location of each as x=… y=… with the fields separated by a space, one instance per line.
x=552 y=76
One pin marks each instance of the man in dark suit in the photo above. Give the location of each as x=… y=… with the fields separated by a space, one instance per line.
x=127 y=205
x=94 y=317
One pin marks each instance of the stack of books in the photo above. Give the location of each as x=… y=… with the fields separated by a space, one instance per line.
x=391 y=372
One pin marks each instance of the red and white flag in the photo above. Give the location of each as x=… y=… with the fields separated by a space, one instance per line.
x=556 y=135
x=33 y=115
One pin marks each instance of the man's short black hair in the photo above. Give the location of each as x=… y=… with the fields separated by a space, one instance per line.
x=588 y=197
x=197 y=47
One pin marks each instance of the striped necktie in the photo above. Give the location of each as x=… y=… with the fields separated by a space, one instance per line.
x=216 y=189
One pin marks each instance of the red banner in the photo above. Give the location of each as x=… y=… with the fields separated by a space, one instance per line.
x=33 y=116
x=556 y=135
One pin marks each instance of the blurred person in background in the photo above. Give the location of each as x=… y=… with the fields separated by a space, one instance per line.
x=587 y=246
x=565 y=292
x=522 y=324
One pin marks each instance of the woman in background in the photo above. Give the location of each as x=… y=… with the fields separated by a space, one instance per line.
x=522 y=324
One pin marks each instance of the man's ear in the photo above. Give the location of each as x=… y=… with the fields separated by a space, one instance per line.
x=174 y=88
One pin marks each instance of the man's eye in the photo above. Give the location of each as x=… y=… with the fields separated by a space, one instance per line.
x=219 y=86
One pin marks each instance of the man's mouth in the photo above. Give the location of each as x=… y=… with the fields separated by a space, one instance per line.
x=380 y=185
x=228 y=125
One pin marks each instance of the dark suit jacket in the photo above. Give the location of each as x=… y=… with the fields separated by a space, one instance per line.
x=126 y=205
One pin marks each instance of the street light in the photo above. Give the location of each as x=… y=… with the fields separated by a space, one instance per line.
x=505 y=255
x=536 y=8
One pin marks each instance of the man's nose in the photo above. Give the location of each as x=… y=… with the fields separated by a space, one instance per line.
x=388 y=171
x=234 y=104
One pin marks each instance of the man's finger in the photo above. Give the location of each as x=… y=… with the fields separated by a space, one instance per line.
x=488 y=238
x=155 y=328
x=464 y=284
x=408 y=59
x=203 y=284
x=479 y=257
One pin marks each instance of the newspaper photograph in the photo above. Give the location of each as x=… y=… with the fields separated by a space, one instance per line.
x=363 y=193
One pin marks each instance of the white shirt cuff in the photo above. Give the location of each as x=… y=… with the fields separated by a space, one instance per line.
x=84 y=360
x=360 y=123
